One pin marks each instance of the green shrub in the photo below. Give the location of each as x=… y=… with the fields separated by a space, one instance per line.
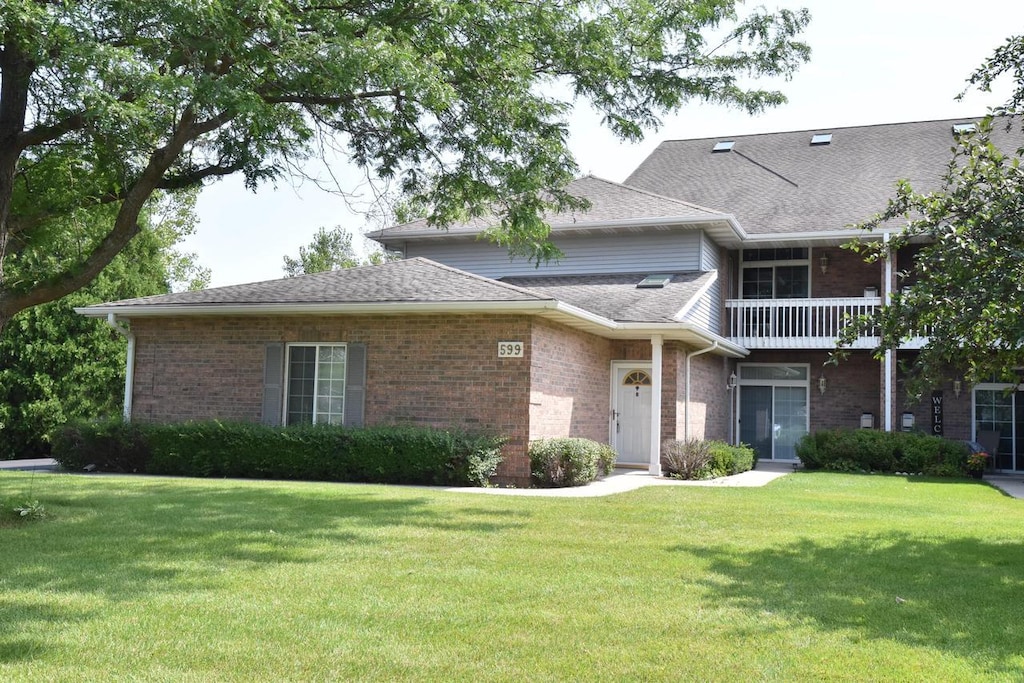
x=387 y=454
x=868 y=450
x=104 y=445
x=699 y=459
x=727 y=460
x=569 y=461
x=689 y=459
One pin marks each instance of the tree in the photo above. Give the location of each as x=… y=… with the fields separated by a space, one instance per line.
x=104 y=103
x=967 y=294
x=329 y=250
x=56 y=365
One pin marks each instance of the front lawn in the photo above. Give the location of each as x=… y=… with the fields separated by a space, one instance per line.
x=814 y=577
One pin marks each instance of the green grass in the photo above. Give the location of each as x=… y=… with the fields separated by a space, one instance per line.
x=814 y=577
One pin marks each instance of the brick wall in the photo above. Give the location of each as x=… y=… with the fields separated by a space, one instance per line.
x=709 y=400
x=956 y=411
x=570 y=392
x=427 y=370
x=853 y=386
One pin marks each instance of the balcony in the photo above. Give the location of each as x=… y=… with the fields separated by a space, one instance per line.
x=797 y=323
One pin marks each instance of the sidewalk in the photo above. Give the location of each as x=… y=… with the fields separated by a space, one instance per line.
x=622 y=480
x=619 y=481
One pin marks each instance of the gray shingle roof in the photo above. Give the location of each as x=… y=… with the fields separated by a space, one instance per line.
x=609 y=202
x=778 y=183
x=412 y=280
x=616 y=297
x=422 y=281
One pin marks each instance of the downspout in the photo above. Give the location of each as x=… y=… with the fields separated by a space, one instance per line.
x=129 y=366
x=686 y=400
x=888 y=352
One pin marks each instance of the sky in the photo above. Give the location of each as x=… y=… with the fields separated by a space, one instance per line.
x=872 y=61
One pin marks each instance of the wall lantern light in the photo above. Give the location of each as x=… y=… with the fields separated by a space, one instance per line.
x=957 y=388
x=732 y=381
x=822 y=384
x=823 y=262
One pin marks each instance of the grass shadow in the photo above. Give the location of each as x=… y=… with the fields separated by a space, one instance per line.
x=961 y=596
x=117 y=539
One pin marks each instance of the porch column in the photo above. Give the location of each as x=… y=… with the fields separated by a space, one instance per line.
x=889 y=400
x=655 y=462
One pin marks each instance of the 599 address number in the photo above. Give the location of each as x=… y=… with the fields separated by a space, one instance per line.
x=510 y=349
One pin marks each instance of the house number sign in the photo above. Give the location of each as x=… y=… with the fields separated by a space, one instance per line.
x=510 y=349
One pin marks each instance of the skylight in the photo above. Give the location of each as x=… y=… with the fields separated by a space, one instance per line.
x=961 y=128
x=821 y=139
x=723 y=146
x=654 y=282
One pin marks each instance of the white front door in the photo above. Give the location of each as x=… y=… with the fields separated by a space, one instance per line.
x=631 y=412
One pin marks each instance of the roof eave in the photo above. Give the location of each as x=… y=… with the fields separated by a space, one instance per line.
x=293 y=308
x=625 y=224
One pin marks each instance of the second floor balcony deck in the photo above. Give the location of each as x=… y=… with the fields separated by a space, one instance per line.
x=799 y=323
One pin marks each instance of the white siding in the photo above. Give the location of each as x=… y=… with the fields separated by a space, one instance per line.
x=633 y=253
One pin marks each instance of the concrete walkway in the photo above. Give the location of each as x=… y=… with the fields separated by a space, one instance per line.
x=618 y=482
x=622 y=480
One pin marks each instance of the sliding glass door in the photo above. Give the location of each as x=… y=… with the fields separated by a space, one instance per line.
x=773 y=411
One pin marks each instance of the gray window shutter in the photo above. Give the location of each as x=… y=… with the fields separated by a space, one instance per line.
x=273 y=384
x=355 y=385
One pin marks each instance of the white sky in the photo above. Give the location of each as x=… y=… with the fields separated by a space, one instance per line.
x=872 y=61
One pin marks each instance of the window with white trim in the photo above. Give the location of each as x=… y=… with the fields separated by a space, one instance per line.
x=316 y=384
x=775 y=274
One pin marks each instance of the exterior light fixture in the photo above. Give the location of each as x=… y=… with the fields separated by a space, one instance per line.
x=823 y=262
x=957 y=388
x=822 y=384
x=732 y=381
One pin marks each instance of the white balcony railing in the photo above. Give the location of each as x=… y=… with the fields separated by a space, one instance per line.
x=795 y=323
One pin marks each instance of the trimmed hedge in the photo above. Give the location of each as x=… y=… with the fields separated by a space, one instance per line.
x=869 y=450
x=569 y=461
x=390 y=455
x=698 y=459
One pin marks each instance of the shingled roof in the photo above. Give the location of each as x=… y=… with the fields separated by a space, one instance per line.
x=419 y=285
x=416 y=280
x=617 y=297
x=610 y=203
x=780 y=183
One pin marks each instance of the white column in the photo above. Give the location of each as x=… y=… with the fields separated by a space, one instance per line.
x=888 y=352
x=655 y=464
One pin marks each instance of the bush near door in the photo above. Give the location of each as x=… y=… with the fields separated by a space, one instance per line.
x=569 y=461
x=699 y=459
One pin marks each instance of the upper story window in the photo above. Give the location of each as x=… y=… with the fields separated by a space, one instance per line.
x=775 y=274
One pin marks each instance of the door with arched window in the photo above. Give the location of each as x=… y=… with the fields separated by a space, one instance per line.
x=631 y=412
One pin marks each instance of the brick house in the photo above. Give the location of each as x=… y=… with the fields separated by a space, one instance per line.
x=720 y=317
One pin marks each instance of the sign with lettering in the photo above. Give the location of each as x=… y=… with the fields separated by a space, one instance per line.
x=510 y=349
x=937 y=413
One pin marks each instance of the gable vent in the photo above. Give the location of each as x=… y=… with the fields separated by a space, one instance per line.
x=821 y=139
x=654 y=282
x=961 y=128
x=723 y=146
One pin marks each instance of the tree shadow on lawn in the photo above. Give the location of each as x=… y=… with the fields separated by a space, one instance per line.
x=121 y=539
x=961 y=596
